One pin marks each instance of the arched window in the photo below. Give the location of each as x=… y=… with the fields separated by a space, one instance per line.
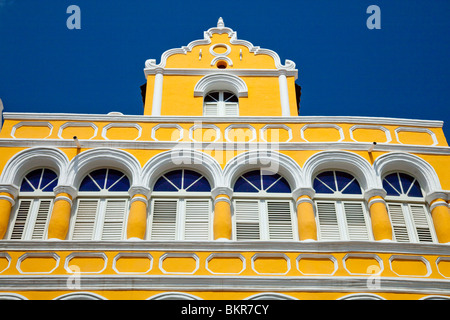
x=262 y=204
x=340 y=208
x=30 y=219
x=181 y=207
x=221 y=103
x=102 y=206
x=410 y=218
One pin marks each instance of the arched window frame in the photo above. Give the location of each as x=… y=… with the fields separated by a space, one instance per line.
x=31 y=214
x=410 y=216
x=102 y=213
x=221 y=103
x=341 y=216
x=185 y=223
x=261 y=201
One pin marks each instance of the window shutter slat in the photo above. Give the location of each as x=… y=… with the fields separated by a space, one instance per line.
x=197 y=220
x=164 y=220
x=328 y=223
x=21 y=219
x=247 y=220
x=421 y=223
x=41 y=220
x=231 y=109
x=356 y=222
x=280 y=223
x=398 y=222
x=85 y=220
x=210 y=109
x=114 y=219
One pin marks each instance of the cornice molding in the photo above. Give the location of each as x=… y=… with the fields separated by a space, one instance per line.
x=244 y=119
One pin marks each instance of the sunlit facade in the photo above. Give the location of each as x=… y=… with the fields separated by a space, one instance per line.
x=221 y=190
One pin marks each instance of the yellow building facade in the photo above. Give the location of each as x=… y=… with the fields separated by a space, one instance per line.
x=222 y=191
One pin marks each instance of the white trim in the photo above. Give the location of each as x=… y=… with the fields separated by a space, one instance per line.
x=275 y=126
x=77 y=124
x=179 y=255
x=204 y=126
x=317 y=256
x=174 y=296
x=132 y=255
x=304 y=200
x=73 y=255
x=157 y=92
x=31 y=124
x=80 y=295
x=139 y=198
x=405 y=162
x=270 y=296
x=373 y=201
x=38 y=255
x=371 y=127
x=167 y=125
x=439 y=259
x=225 y=255
x=240 y=126
x=361 y=296
x=271 y=255
x=363 y=255
x=247 y=119
x=415 y=258
x=422 y=130
x=6 y=256
x=221 y=81
x=323 y=125
x=222 y=199
x=438 y=204
x=215 y=54
x=217 y=59
x=121 y=125
x=7 y=198
x=284 y=96
x=63 y=198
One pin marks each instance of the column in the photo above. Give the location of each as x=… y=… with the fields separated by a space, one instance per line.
x=440 y=214
x=6 y=203
x=306 y=219
x=62 y=207
x=284 y=96
x=222 y=225
x=379 y=216
x=157 y=93
x=137 y=217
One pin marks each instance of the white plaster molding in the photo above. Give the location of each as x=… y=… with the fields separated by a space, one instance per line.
x=80 y=296
x=78 y=124
x=9 y=199
x=445 y=195
x=222 y=199
x=38 y=255
x=371 y=127
x=317 y=256
x=438 y=204
x=204 y=126
x=304 y=200
x=275 y=126
x=222 y=191
x=220 y=81
x=64 y=198
x=167 y=125
x=322 y=125
x=269 y=160
x=141 y=190
x=121 y=125
x=179 y=255
x=217 y=59
x=73 y=255
x=132 y=255
x=174 y=296
x=225 y=255
x=374 y=192
x=359 y=167
x=310 y=192
x=240 y=126
x=139 y=198
x=31 y=124
x=413 y=165
x=25 y=161
x=182 y=158
x=364 y=256
x=90 y=160
x=422 y=130
x=271 y=255
x=415 y=258
x=71 y=190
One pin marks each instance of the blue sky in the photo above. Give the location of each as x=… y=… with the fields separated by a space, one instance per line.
x=345 y=69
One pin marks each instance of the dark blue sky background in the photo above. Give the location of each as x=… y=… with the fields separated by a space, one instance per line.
x=402 y=70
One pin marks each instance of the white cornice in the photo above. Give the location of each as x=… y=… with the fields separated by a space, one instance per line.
x=184 y=119
x=163 y=145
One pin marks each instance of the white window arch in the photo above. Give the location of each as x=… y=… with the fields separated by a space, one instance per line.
x=221 y=103
x=410 y=217
x=341 y=211
x=263 y=208
x=181 y=207
x=102 y=206
x=29 y=220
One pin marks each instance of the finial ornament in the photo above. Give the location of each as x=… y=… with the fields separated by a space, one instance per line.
x=220 y=23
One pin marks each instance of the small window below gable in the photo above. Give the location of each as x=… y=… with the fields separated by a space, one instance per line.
x=221 y=104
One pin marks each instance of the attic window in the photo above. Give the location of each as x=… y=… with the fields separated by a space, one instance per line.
x=221 y=103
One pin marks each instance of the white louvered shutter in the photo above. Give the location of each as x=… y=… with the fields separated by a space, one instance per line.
x=21 y=218
x=356 y=222
x=328 y=223
x=164 y=220
x=280 y=221
x=247 y=220
x=85 y=219
x=42 y=218
x=398 y=222
x=231 y=109
x=419 y=215
x=210 y=109
x=114 y=219
x=197 y=221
